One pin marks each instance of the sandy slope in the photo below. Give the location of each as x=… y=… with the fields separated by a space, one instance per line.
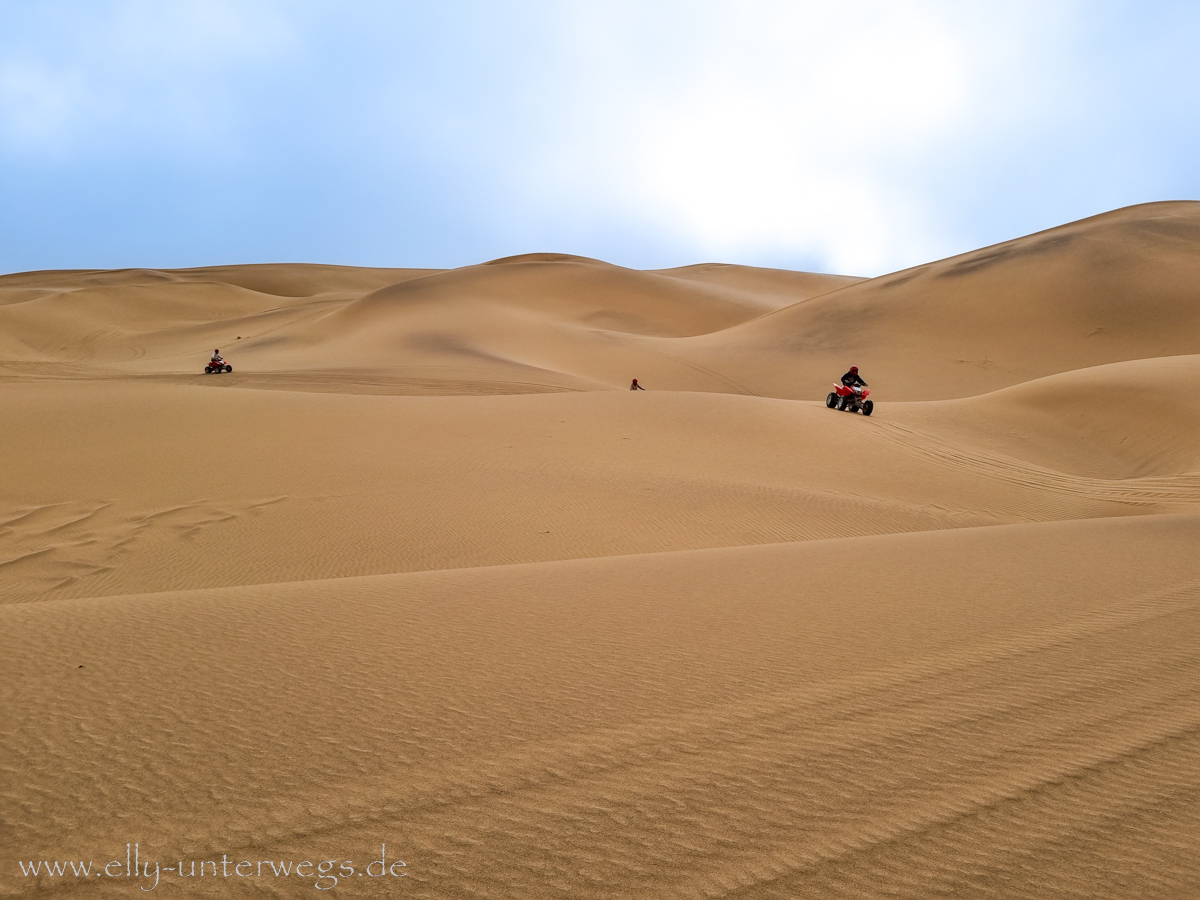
x=991 y=712
x=304 y=485
x=1125 y=420
x=416 y=573
x=1124 y=285
x=540 y=321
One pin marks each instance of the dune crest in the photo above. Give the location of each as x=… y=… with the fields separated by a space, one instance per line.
x=1116 y=287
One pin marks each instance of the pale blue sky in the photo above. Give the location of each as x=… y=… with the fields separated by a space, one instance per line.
x=857 y=137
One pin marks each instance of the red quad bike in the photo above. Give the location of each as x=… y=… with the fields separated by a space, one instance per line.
x=218 y=366
x=850 y=399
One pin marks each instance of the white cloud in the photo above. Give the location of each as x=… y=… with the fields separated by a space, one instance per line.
x=775 y=128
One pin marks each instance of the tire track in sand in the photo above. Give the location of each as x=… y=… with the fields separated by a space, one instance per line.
x=1146 y=491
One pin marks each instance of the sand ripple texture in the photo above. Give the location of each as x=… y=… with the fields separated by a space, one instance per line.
x=745 y=722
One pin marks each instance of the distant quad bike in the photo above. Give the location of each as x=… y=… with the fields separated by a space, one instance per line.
x=217 y=367
x=850 y=399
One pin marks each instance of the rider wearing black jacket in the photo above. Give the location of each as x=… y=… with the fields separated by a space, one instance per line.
x=851 y=379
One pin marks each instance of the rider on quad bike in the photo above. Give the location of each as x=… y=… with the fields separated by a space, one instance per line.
x=217 y=364
x=851 y=394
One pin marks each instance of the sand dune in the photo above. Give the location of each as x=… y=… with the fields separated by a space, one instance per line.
x=422 y=571
x=1117 y=287
x=541 y=320
x=1121 y=286
x=1124 y=420
x=389 y=484
x=781 y=287
x=763 y=721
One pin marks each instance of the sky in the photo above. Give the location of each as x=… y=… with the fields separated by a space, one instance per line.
x=857 y=137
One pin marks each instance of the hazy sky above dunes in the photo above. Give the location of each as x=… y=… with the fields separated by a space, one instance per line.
x=855 y=137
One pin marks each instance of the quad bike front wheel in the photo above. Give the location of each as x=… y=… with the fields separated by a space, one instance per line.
x=832 y=400
x=868 y=407
x=228 y=368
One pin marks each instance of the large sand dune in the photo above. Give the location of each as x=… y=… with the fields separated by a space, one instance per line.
x=422 y=571
x=1120 y=286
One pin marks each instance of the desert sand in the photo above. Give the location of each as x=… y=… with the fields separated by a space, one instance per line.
x=423 y=572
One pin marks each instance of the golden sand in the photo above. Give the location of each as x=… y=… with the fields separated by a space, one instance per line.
x=423 y=572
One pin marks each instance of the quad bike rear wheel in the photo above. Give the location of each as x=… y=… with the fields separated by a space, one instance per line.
x=208 y=370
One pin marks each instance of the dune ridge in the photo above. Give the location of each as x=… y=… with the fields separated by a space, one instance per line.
x=423 y=571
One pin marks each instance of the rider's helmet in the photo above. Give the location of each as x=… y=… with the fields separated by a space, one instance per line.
x=854 y=369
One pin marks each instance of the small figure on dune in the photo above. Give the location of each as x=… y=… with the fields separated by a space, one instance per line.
x=635 y=386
